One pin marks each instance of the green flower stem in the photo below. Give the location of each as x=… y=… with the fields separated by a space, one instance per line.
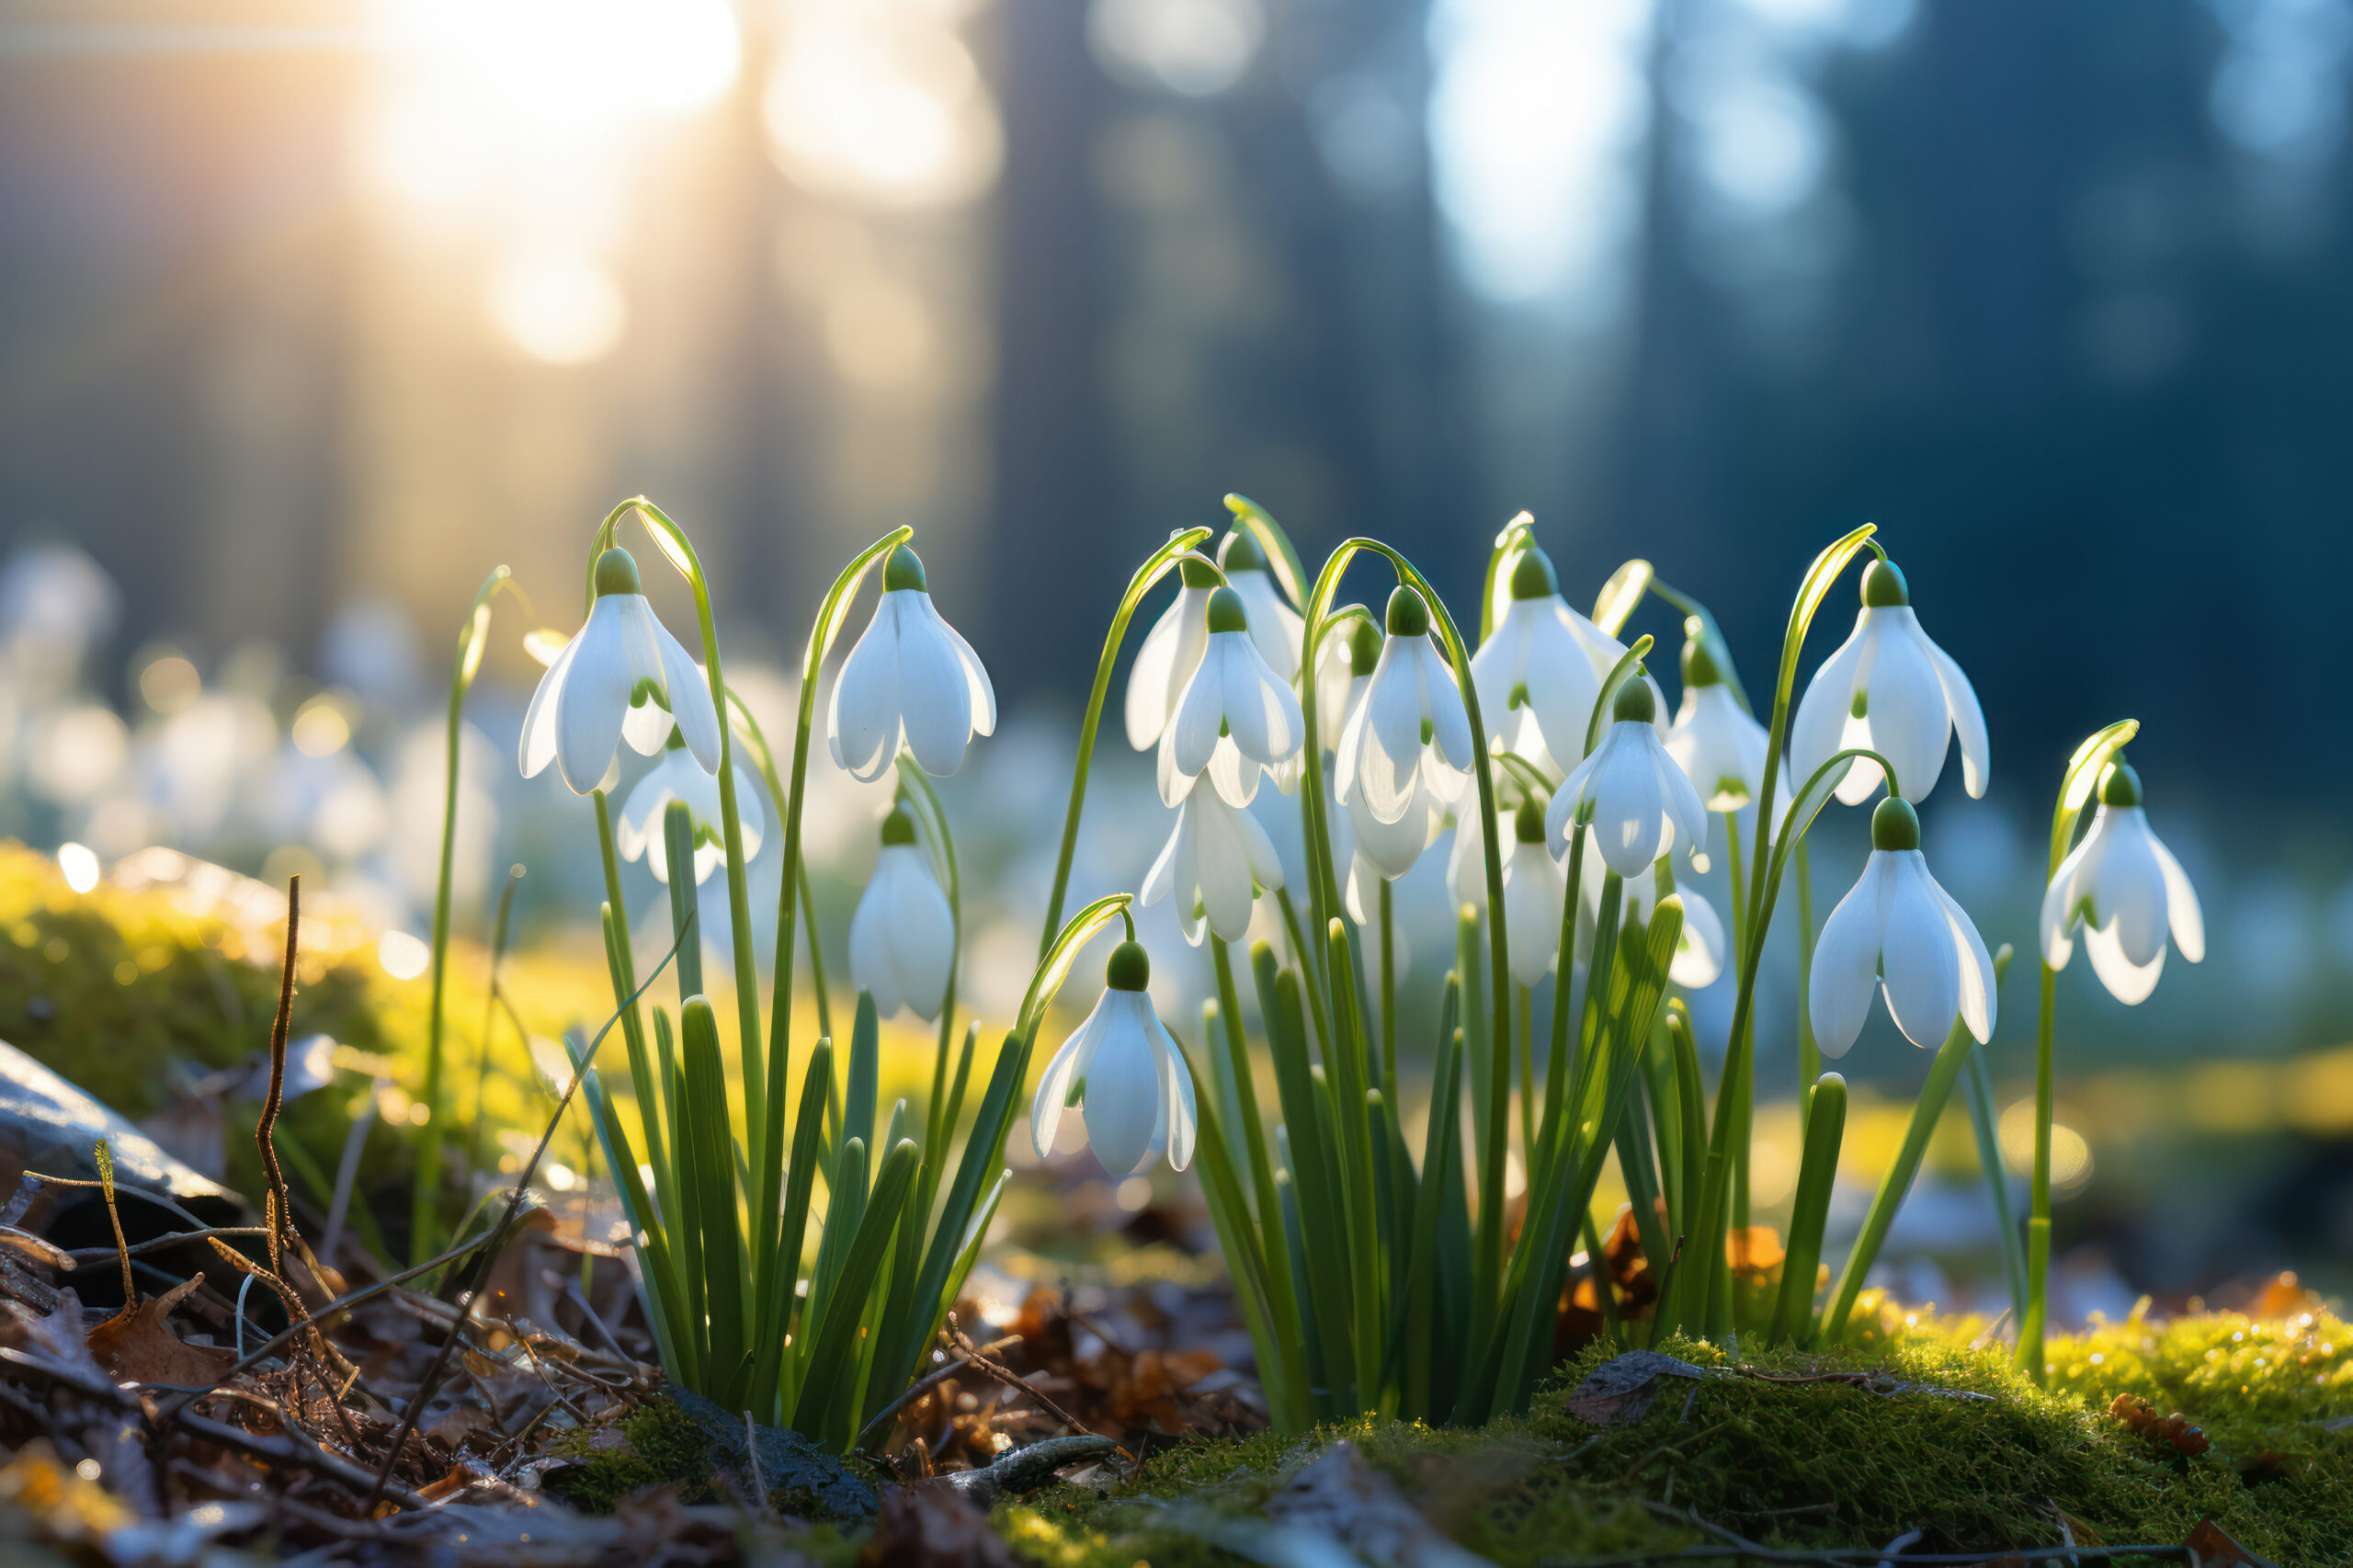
x=1943 y=1073
x=771 y=1130
x=674 y=543
x=1714 y=1211
x=1179 y=543
x=918 y=787
x=1556 y=1064
x=2074 y=792
x=425 y=1212
x=1488 y=1280
x=1282 y=1301
x=1388 y=997
x=623 y=964
x=764 y=757
x=1311 y=970
x=1744 y=1104
x=1809 y=1050
x=1977 y=1087
x=1525 y=1028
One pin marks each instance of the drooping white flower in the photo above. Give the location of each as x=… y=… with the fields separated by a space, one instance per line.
x=1125 y=1074
x=2127 y=890
x=1217 y=860
x=677 y=776
x=1409 y=736
x=1538 y=675
x=1534 y=889
x=1719 y=745
x=1234 y=717
x=1466 y=863
x=1275 y=626
x=1889 y=689
x=902 y=938
x=1360 y=891
x=1700 y=953
x=1898 y=932
x=624 y=676
x=911 y=676
x=1633 y=794
x=1171 y=652
x=1344 y=664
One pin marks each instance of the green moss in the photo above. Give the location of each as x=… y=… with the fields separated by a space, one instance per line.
x=655 y=1445
x=1825 y=1463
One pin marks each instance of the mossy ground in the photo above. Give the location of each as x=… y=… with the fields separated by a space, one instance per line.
x=1826 y=1463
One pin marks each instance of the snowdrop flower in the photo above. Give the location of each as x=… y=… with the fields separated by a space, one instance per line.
x=1274 y=625
x=2127 y=890
x=1700 y=953
x=1129 y=1076
x=902 y=938
x=1409 y=736
x=1899 y=932
x=1891 y=690
x=1630 y=790
x=1172 y=649
x=624 y=676
x=1215 y=862
x=1540 y=673
x=910 y=674
x=1234 y=717
x=1533 y=891
x=1361 y=888
x=1719 y=745
x=1466 y=865
x=1344 y=666
x=677 y=776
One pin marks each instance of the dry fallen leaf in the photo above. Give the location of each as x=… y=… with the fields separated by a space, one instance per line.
x=137 y=1345
x=932 y=1526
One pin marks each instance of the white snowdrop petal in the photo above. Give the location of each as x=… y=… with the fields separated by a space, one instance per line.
x=1122 y=1097
x=1910 y=722
x=934 y=698
x=1698 y=960
x=1683 y=802
x=1562 y=685
x=869 y=943
x=2129 y=983
x=2057 y=919
x=1192 y=732
x=1818 y=731
x=688 y=691
x=1070 y=1063
x=538 y=745
x=594 y=701
x=1846 y=963
x=1161 y=880
x=1389 y=742
x=923 y=932
x=1155 y=679
x=1351 y=747
x=1180 y=1115
x=2188 y=920
x=1918 y=967
x=1449 y=720
x=981 y=696
x=1275 y=628
x=1980 y=997
x=1968 y=722
x=1233 y=775
x=1174 y=781
x=1577 y=789
x=1629 y=815
x=2130 y=892
x=1533 y=898
x=1258 y=851
x=862 y=718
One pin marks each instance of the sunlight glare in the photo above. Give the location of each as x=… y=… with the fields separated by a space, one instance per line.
x=559 y=309
x=891 y=112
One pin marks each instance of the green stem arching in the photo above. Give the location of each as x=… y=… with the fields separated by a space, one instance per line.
x=1155 y=565
x=1713 y=1209
x=1325 y=889
x=2075 y=788
x=425 y=1212
x=769 y=1124
x=674 y=543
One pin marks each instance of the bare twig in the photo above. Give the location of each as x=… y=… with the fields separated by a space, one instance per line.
x=970 y=1352
x=931 y=1380
x=497 y=1239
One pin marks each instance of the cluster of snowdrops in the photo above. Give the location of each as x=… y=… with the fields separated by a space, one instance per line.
x=1371 y=1279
